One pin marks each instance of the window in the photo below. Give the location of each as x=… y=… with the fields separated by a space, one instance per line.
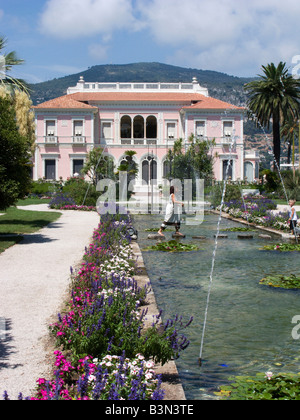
x=249 y=171
x=171 y=130
x=78 y=128
x=227 y=128
x=227 y=163
x=149 y=170
x=77 y=166
x=167 y=169
x=50 y=169
x=50 y=128
x=151 y=128
x=106 y=131
x=138 y=127
x=200 y=129
x=126 y=127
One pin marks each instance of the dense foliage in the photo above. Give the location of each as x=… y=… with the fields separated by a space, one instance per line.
x=15 y=154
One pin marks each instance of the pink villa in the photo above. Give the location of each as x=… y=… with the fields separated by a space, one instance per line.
x=144 y=117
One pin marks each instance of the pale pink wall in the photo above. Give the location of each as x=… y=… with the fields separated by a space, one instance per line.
x=64 y=127
x=214 y=124
x=163 y=115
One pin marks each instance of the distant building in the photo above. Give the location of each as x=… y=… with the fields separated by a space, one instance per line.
x=145 y=117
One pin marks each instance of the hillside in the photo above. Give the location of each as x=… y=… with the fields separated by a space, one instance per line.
x=220 y=85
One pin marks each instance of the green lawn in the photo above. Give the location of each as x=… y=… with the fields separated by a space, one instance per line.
x=17 y=222
x=32 y=201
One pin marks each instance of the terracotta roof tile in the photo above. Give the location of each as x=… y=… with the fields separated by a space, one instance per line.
x=136 y=96
x=212 y=103
x=76 y=100
x=64 y=102
x=203 y=102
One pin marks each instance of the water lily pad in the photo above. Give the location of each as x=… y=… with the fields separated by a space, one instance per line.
x=280 y=281
x=173 y=246
x=283 y=247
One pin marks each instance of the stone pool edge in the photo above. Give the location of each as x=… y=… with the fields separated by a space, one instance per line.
x=171 y=381
x=244 y=222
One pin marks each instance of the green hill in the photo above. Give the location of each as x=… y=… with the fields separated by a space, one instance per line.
x=220 y=85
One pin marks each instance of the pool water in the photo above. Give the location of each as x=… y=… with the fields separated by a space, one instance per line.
x=249 y=327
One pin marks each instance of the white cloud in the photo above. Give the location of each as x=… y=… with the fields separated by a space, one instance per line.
x=71 y=19
x=226 y=35
x=63 y=69
x=233 y=36
x=1 y=14
x=98 y=51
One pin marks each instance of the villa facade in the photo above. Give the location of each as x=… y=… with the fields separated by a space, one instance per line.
x=144 y=117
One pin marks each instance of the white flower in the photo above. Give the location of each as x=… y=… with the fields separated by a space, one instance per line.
x=269 y=375
x=149 y=364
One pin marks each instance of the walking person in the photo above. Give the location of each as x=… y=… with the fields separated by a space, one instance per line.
x=293 y=217
x=172 y=216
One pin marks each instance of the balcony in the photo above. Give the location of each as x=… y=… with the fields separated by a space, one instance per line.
x=79 y=140
x=139 y=142
x=51 y=140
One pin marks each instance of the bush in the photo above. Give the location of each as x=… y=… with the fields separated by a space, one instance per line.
x=76 y=189
x=42 y=188
x=61 y=200
x=292 y=184
x=233 y=192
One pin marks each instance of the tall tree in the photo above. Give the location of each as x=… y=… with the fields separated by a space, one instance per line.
x=15 y=154
x=290 y=131
x=24 y=115
x=98 y=166
x=273 y=97
x=7 y=62
x=194 y=161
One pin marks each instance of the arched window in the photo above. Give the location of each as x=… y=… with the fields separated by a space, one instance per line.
x=126 y=127
x=149 y=170
x=249 y=171
x=167 y=169
x=138 y=127
x=151 y=127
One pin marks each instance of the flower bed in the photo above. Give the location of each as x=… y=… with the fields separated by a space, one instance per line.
x=104 y=351
x=257 y=210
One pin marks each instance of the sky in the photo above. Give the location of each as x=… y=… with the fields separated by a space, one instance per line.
x=61 y=37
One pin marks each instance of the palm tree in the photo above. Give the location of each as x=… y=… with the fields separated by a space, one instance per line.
x=272 y=98
x=7 y=63
x=290 y=130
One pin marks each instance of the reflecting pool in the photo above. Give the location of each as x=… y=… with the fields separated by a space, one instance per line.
x=249 y=328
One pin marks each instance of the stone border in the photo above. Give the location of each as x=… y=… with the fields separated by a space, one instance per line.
x=244 y=222
x=171 y=381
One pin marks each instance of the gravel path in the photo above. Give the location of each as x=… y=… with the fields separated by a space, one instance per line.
x=34 y=279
